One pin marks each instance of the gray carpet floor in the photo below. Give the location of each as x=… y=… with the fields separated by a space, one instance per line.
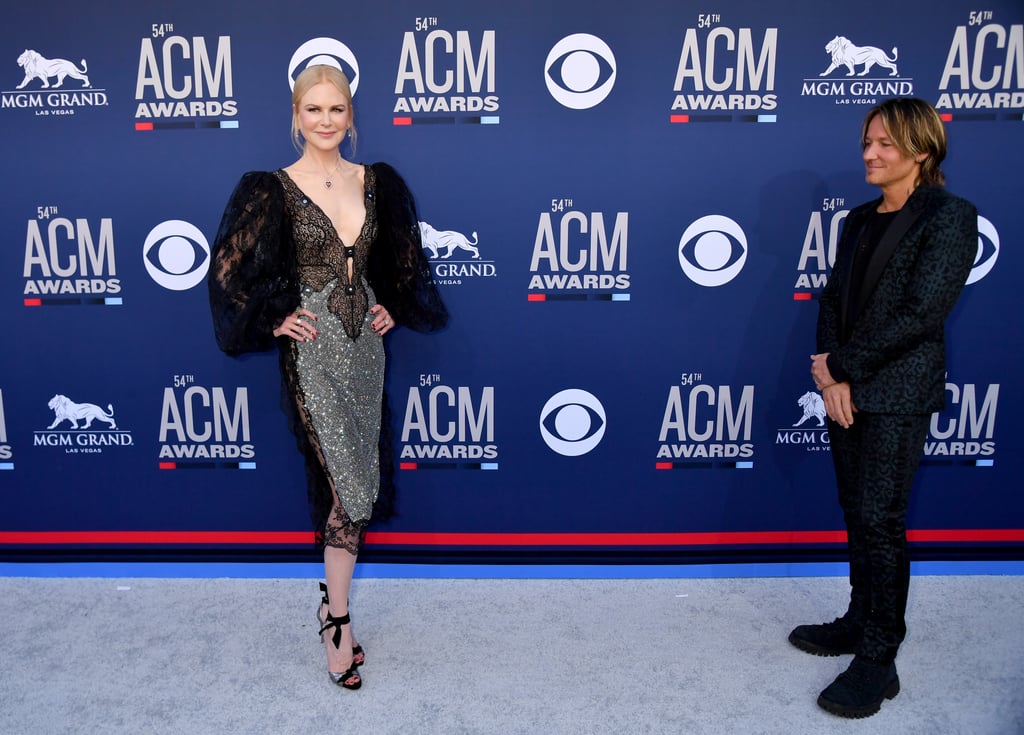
x=196 y=656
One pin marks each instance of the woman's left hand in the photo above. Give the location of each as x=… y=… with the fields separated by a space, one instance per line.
x=382 y=323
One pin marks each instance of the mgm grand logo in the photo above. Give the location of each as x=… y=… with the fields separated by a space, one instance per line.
x=859 y=62
x=809 y=431
x=453 y=256
x=40 y=89
x=72 y=428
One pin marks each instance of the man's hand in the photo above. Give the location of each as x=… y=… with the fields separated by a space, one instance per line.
x=839 y=404
x=819 y=371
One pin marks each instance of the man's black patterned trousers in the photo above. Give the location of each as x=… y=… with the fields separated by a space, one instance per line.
x=875 y=461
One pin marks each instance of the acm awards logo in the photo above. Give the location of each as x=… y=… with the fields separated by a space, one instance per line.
x=6 y=452
x=448 y=425
x=81 y=427
x=453 y=256
x=712 y=250
x=579 y=255
x=176 y=255
x=858 y=74
x=706 y=424
x=964 y=433
x=69 y=261
x=818 y=252
x=205 y=423
x=722 y=70
x=446 y=76
x=42 y=87
x=983 y=72
x=184 y=82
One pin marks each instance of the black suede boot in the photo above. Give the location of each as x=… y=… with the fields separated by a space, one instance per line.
x=828 y=639
x=860 y=690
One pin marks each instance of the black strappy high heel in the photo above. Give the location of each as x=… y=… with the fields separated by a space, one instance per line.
x=358 y=655
x=342 y=679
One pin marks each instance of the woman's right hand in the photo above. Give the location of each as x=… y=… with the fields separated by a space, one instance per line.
x=298 y=326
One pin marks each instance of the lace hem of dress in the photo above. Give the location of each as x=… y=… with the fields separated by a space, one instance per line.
x=342 y=532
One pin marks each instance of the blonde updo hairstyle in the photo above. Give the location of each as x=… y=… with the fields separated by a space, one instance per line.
x=309 y=78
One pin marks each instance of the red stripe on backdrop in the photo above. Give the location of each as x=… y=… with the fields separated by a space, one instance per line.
x=392 y=538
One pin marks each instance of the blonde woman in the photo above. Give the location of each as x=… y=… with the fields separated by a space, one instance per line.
x=323 y=257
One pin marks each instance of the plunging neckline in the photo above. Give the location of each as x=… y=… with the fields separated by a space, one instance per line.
x=324 y=259
x=334 y=228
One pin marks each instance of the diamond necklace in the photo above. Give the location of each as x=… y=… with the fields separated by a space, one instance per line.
x=327 y=175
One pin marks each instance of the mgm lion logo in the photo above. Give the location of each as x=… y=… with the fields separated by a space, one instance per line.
x=442 y=243
x=846 y=54
x=65 y=409
x=39 y=67
x=813 y=408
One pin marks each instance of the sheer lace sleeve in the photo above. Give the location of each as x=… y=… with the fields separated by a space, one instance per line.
x=252 y=282
x=397 y=268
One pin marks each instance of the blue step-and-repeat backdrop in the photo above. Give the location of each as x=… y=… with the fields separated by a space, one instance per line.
x=631 y=210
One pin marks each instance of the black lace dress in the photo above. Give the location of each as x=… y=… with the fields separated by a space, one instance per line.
x=275 y=251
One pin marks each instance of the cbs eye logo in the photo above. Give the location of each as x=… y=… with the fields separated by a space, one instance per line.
x=176 y=255
x=712 y=250
x=572 y=422
x=580 y=71
x=988 y=251
x=325 y=51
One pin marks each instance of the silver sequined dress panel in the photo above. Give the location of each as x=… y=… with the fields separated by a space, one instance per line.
x=341 y=372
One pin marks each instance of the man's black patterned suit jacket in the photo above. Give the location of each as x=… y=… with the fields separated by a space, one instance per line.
x=894 y=353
